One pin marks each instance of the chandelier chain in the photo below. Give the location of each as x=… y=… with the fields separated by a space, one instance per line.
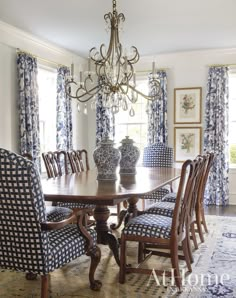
x=114 y=6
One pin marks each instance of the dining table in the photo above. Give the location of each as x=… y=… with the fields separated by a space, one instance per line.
x=85 y=188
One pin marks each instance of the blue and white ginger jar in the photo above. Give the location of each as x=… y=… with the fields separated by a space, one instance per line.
x=129 y=156
x=106 y=158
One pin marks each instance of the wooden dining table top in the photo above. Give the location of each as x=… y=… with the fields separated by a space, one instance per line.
x=85 y=188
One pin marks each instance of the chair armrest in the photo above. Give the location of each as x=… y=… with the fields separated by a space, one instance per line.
x=49 y=225
x=77 y=216
x=80 y=222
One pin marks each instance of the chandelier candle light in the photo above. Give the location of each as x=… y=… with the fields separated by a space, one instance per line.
x=114 y=76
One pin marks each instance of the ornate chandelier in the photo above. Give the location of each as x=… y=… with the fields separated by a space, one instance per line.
x=114 y=77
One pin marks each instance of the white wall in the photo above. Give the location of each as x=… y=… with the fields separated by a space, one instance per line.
x=10 y=39
x=184 y=69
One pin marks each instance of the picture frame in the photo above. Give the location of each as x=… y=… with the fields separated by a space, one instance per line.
x=187 y=142
x=187 y=105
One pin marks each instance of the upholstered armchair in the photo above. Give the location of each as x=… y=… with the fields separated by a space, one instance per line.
x=29 y=242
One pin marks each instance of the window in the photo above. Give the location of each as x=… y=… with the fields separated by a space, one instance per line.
x=135 y=127
x=47 y=79
x=232 y=118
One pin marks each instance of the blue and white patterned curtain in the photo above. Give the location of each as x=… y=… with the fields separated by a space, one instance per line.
x=216 y=136
x=105 y=120
x=28 y=106
x=157 y=114
x=64 y=112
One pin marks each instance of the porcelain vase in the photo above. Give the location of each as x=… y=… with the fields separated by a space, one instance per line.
x=129 y=156
x=106 y=158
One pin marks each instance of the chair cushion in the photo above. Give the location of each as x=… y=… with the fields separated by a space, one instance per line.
x=66 y=244
x=55 y=213
x=149 y=225
x=162 y=208
x=157 y=195
x=75 y=205
x=171 y=197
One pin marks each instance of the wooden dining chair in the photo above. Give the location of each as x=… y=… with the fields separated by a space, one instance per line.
x=164 y=231
x=56 y=164
x=167 y=205
x=200 y=213
x=79 y=161
x=199 y=210
x=30 y=243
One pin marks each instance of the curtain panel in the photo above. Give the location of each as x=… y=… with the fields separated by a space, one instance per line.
x=157 y=113
x=64 y=112
x=216 y=136
x=28 y=105
x=105 y=120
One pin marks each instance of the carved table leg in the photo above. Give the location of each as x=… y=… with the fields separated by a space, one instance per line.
x=127 y=214
x=104 y=235
x=132 y=210
x=121 y=217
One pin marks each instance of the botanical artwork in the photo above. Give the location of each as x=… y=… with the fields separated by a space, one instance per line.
x=187 y=142
x=188 y=105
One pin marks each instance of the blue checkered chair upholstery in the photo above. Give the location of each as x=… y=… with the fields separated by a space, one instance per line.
x=158 y=155
x=170 y=197
x=149 y=225
x=161 y=208
x=53 y=213
x=28 y=242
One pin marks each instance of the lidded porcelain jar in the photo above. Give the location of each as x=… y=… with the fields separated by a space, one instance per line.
x=106 y=158
x=129 y=156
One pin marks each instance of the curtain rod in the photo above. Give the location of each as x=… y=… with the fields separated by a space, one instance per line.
x=221 y=65
x=40 y=58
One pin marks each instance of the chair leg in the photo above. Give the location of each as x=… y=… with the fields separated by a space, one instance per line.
x=140 y=252
x=95 y=254
x=175 y=264
x=199 y=225
x=44 y=286
x=204 y=220
x=122 y=260
x=193 y=234
x=186 y=254
x=189 y=244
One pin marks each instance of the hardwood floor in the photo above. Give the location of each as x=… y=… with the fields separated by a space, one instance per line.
x=221 y=210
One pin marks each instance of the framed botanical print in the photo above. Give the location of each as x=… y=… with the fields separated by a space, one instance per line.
x=187 y=105
x=187 y=143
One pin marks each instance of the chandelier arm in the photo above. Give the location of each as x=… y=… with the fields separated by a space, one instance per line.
x=85 y=85
x=78 y=97
x=136 y=57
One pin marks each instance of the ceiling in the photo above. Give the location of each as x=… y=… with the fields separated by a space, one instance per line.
x=153 y=26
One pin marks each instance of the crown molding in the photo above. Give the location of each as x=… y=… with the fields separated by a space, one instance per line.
x=21 y=35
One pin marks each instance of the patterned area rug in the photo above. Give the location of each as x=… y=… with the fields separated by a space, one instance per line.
x=213 y=275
